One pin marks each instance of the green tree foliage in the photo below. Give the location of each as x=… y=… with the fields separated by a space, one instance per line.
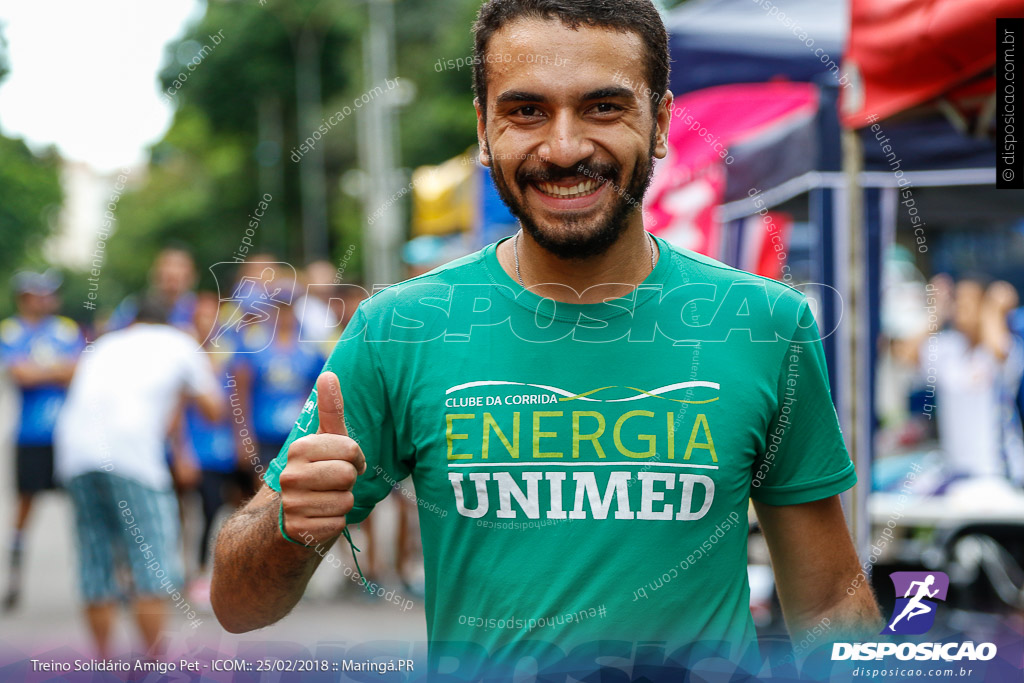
x=30 y=197
x=199 y=191
x=441 y=122
x=209 y=172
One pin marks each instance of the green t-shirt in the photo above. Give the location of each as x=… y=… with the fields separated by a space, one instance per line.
x=583 y=470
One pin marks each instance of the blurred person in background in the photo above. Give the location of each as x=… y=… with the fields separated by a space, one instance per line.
x=110 y=455
x=40 y=351
x=978 y=365
x=253 y=298
x=318 y=323
x=274 y=373
x=172 y=278
x=212 y=442
x=905 y=322
x=346 y=300
x=321 y=272
x=1001 y=299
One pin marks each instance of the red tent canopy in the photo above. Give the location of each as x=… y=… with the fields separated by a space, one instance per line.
x=721 y=141
x=904 y=53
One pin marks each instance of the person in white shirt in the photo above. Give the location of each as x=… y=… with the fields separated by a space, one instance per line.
x=110 y=454
x=977 y=365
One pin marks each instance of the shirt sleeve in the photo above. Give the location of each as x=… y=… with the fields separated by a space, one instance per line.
x=79 y=344
x=199 y=377
x=72 y=339
x=368 y=419
x=9 y=333
x=804 y=456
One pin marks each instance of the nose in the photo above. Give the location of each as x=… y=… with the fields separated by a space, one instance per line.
x=566 y=143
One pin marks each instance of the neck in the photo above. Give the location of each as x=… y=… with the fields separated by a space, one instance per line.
x=30 y=317
x=618 y=270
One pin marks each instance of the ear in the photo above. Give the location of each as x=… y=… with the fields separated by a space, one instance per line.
x=663 y=117
x=481 y=133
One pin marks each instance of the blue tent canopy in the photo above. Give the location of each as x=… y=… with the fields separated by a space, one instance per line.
x=715 y=42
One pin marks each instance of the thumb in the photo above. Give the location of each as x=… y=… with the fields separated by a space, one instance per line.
x=329 y=405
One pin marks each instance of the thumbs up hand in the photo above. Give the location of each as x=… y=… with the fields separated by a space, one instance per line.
x=317 y=481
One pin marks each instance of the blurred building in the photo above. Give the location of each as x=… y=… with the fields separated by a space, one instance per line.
x=87 y=194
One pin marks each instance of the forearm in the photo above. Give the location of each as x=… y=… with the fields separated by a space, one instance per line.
x=997 y=338
x=853 y=615
x=29 y=374
x=210 y=405
x=62 y=373
x=258 y=576
x=816 y=570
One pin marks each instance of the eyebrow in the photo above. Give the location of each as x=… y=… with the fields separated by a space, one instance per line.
x=599 y=94
x=519 y=96
x=610 y=92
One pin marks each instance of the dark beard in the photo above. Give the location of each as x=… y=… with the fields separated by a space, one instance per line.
x=577 y=243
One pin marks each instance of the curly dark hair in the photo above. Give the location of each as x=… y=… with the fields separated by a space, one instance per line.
x=638 y=16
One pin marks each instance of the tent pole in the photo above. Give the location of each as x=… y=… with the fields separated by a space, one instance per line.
x=855 y=388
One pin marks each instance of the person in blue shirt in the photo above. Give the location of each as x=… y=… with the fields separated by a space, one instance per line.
x=275 y=372
x=172 y=278
x=39 y=350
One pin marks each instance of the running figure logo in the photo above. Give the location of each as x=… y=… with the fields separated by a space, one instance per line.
x=257 y=296
x=914 y=613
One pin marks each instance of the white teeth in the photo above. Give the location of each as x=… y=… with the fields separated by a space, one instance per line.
x=584 y=188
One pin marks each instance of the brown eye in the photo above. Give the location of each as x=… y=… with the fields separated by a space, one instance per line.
x=606 y=108
x=527 y=111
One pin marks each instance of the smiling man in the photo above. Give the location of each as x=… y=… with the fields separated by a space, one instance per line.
x=585 y=409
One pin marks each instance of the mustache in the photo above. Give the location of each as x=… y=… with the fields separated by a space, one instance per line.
x=596 y=170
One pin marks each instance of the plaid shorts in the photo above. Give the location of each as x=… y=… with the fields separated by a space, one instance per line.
x=121 y=522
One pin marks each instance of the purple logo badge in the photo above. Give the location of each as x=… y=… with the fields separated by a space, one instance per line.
x=916 y=596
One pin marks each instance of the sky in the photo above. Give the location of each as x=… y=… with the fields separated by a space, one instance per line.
x=83 y=75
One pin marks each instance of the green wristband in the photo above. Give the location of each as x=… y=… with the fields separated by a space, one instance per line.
x=280 y=525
